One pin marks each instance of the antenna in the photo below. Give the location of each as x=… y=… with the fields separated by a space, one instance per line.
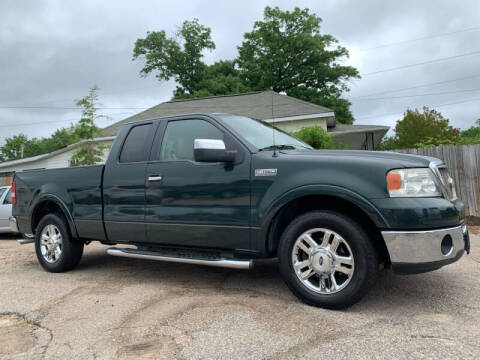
x=273 y=128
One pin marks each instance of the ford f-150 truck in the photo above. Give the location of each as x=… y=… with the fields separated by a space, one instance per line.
x=224 y=190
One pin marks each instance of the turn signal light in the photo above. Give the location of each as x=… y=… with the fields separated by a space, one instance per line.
x=394 y=181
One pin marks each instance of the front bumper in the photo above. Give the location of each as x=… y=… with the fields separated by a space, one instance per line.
x=426 y=250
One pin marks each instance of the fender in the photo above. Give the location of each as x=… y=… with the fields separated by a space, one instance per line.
x=55 y=199
x=267 y=214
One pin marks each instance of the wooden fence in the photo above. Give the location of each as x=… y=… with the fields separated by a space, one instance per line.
x=463 y=163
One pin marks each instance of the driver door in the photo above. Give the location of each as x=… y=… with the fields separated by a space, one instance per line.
x=197 y=204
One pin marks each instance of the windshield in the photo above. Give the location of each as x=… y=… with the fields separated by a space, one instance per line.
x=260 y=133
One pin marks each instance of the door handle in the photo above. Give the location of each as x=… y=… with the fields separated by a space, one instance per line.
x=154 y=178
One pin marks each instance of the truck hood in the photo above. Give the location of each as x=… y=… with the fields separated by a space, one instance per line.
x=390 y=158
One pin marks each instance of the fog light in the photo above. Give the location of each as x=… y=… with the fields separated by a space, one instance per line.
x=447 y=245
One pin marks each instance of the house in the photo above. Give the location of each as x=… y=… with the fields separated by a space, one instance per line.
x=55 y=159
x=288 y=113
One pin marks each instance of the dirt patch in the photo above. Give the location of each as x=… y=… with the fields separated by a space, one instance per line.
x=474 y=229
x=16 y=335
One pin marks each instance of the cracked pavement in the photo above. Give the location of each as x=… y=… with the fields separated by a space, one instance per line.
x=112 y=307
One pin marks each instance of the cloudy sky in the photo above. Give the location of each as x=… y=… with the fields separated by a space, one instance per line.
x=410 y=54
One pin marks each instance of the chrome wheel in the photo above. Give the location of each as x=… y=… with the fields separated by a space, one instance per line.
x=323 y=260
x=51 y=243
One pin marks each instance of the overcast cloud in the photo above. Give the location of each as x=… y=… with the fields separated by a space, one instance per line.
x=51 y=52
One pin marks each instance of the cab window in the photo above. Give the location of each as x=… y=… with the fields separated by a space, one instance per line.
x=179 y=137
x=135 y=145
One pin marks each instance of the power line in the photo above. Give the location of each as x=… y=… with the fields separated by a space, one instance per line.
x=216 y=108
x=422 y=63
x=421 y=38
x=103 y=93
x=419 y=95
x=434 y=106
x=415 y=87
x=67 y=108
x=51 y=121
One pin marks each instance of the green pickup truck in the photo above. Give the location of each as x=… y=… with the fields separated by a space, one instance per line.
x=225 y=190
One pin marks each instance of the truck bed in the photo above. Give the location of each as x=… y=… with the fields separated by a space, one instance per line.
x=79 y=189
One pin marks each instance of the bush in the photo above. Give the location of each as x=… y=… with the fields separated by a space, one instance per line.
x=316 y=137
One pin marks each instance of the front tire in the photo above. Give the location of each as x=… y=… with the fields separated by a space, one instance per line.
x=55 y=248
x=327 y=259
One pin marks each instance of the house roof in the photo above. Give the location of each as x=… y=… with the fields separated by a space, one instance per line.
x=51 y=154
x=345 y=129
x=257 y=105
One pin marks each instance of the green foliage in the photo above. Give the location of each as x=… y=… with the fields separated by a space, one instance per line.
x=418 y=129
x=430 y=141
x=173 y=59
x=387 y=143
x=20 y=145
x=316 y=137
x=221 y=78
x=91 y=151
x=285 y=52
x=471 y=135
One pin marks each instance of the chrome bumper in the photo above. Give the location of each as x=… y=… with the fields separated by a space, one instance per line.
x=13 y=224
x=420 y=251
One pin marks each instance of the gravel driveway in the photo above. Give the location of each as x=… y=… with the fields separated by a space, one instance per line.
x=129 y=309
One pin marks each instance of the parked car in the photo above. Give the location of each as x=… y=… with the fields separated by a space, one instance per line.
x=5 y=208
x=221 y=190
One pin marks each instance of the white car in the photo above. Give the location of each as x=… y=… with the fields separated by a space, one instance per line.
x=5 y=208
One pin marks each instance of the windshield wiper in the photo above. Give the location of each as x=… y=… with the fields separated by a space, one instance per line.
x=278 y=147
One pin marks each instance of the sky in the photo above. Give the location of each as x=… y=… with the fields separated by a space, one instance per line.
x=410 y=54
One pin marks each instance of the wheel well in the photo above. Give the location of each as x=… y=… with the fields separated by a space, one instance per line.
x=308 y=203
x=45 y=208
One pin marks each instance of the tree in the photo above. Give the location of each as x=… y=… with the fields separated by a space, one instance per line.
x=287 y=52
x=91 y=151
x=220 y=78
x=179 y=60
x=316 y=137
x=427 y=128
x=14 y=147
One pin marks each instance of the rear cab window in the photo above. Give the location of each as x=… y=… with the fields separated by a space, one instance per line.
x=137 y=144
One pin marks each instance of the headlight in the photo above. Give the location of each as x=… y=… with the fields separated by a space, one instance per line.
x=412 y=183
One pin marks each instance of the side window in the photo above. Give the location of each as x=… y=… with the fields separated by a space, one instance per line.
x=179 y=137
x=8 y=198
x=134 y=147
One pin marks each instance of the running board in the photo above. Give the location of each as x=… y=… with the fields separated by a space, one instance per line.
x=26 y=241
x=190 y=258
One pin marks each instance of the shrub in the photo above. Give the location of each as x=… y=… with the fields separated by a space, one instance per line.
x=316 y=137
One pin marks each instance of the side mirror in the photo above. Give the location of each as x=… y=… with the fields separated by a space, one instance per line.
x=212 y=150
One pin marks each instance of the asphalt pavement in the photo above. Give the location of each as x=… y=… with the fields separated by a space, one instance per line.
x=118 y=308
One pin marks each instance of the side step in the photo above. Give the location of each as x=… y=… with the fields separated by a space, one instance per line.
x=26 y=241
x=182 y=257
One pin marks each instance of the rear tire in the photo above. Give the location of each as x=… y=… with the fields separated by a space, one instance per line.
x=55 y=248
x=327 y=259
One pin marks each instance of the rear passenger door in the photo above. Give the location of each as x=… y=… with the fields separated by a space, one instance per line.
x=124 y=184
